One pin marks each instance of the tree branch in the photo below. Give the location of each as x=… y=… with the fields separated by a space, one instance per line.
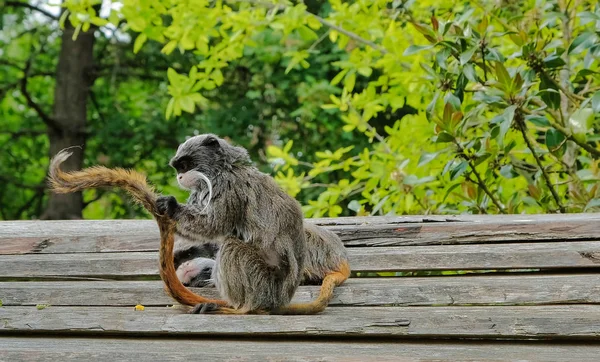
x=480 y=182
x=555 y=124
x=18 y=183
x=30 y=7
x=523 y=128
x=327 y=23
x=38 y=195
x=349 y=34
x=27 y=132
x=49 y=121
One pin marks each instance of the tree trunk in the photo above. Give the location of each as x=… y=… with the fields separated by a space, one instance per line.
x=73 y=81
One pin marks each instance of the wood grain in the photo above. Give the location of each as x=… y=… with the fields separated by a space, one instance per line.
x=581 y=322
x=142 y=235
x=16 y=349
x=565 y=255
x=433 y=291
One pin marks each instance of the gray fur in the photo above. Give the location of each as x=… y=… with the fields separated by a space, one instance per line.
x=258 y=227
x=325 y=252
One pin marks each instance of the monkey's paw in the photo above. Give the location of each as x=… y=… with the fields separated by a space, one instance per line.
x=167 y=205
x=204 y=308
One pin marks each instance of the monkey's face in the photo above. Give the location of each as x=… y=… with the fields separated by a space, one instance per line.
x=207 y=156
x=197 y=160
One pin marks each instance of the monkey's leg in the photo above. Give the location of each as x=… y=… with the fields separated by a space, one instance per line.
x=330 y=281
x=212 y=308
x=249 y=282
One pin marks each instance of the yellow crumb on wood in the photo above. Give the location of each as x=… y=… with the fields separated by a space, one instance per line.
x=139 y=307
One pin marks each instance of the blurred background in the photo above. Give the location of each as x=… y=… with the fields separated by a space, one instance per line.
x=355 y=107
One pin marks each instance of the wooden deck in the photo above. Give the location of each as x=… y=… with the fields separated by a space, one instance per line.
x=68 y=289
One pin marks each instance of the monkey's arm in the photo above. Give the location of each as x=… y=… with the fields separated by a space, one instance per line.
x=191 y=221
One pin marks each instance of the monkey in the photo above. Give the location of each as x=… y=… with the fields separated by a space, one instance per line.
x=194 y=264
x=325 y=256
x=332 y=267
x=136 y=185
x=257 y=226
x=326 y=262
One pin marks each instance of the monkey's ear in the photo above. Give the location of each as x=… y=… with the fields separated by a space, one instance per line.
x=211 y=142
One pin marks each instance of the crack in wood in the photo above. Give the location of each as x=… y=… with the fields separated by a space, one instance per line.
x=394 y=323
x=593 y=256
x=39 y=247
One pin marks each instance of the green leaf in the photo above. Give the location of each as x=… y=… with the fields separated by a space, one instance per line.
x=169 y=47
x=505 y=122
x=354 y=205
x=507 y=171
x=466 y=56
x=555 y=141
x=592 y=204
x=349 y=81
x=581 y=121
x=469 y=72
x=427 y=32
x=338 y=78
x=415 y=49
x=482 y=158
x=139 y=41
x=539 y=121
x=502 y=74
x=452 y=100
x=170 y=106
x=458 y=170
x=449 y=190
x=582 y=42
x=549 y=92
x=427 y=157
x=442 y=56
x=307 y=34
x=444 y=137
x=596 y=102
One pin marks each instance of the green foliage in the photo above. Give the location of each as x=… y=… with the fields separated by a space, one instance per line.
x=363 y=107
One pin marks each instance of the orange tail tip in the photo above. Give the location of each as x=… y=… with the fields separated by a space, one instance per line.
x=330 y=281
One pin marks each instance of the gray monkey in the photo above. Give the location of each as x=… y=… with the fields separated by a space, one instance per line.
x=256 y=225
x=325 y=258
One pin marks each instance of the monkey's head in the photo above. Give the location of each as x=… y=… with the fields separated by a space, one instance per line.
x=204 y=157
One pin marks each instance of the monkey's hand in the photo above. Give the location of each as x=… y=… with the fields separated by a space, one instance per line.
x=167 y=205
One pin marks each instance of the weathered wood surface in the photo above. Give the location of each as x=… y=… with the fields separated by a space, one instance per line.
x=531 y=322
x=141 y=349
x=576 y=254
x=142 y=235
x=432 y=291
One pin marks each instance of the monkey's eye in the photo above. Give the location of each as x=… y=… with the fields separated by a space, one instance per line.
x=184 y=166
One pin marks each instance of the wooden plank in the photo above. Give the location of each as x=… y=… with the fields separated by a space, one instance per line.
x=433 y=291
x=532 y=322
x=142 y=235
x=17 y=349
x=581 y=254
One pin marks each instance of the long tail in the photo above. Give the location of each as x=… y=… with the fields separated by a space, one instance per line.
x=136 y=185
x=330 y=281
x=168 y=274
x=99 y=176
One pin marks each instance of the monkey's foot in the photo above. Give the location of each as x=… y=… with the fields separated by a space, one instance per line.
x=204 y=308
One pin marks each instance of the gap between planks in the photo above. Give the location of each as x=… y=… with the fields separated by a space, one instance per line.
x=16 y=349
x=575 y=255
x=432 y=291
x=17 y=237
x=581 y=322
